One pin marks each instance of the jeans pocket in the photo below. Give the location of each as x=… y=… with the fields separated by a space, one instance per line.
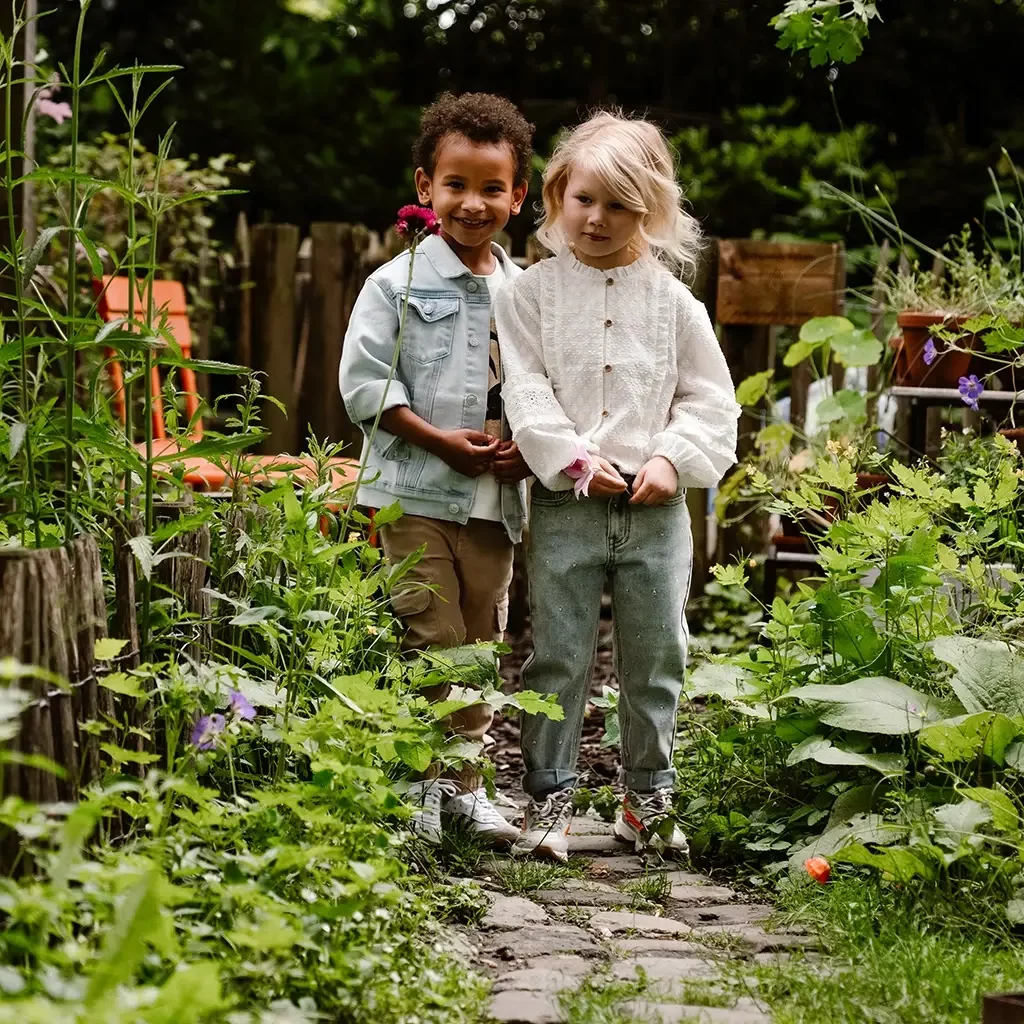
x=540 y=495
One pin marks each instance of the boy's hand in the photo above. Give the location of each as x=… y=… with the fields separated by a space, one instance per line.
x=656 y=482
x=468 y=452
x=606 y=482
x=509 y=466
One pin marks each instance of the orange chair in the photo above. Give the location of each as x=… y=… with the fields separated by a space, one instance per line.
x=171 y=314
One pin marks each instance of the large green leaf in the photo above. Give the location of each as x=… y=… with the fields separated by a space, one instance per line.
x=824 y=328
x=857 y=348
x=866 y=828
x=876 y=704
x=957 y=822
x=989 y=673
x=843 y=405
x=754 y=388
x=1004 y=813
x=847 y=628
x=820 y=749
x=964 y=737
x=898 y=863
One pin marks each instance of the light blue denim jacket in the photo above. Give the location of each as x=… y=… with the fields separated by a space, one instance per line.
x=441 y=376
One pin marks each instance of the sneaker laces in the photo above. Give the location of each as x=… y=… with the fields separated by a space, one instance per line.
x=546 y=815
x=484 y=810
x=657 y=804
x=438 y=789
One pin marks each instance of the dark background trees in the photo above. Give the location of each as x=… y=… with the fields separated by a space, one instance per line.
x=326 y=109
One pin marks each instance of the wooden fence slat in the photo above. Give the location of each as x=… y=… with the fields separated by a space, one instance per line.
x=274 y=256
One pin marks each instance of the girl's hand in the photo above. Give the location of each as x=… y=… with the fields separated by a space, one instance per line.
x=606 y=482
x=656 y=482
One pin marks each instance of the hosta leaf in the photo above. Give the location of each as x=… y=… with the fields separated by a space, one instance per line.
x=820 y=749
x=989 y=673
x=876 y=704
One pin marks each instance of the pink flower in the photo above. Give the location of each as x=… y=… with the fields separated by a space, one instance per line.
x=582 y=470
x=45 y=107
x=415 y=219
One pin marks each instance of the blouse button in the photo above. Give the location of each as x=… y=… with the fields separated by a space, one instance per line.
x=607 y=323
x=610 y=280
x=608 y=368
x=604 y=412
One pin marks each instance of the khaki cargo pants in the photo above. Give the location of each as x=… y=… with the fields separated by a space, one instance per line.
x=470 y=568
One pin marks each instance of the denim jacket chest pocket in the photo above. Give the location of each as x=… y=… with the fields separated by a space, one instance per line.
x=429 y=324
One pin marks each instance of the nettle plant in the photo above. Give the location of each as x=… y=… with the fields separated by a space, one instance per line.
x=886 y=702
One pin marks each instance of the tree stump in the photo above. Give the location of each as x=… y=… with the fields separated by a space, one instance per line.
x=54 y=613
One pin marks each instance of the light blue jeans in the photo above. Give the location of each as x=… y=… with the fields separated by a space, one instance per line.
x=647 y=554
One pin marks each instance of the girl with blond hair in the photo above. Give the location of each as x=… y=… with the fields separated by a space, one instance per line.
x=619 y=398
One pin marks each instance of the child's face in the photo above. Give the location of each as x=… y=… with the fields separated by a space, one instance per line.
x=472 y=189
x=596 y=223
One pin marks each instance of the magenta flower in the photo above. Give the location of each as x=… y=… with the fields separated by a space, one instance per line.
x=970 y=390
x=240 y=706
x=930 y=352
x=581 y=469
x=415 y=219
x=208 y=728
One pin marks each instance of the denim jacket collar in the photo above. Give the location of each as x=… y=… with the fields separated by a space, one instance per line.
x=447 y=264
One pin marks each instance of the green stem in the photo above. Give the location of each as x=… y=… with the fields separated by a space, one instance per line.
x=30 y=468
x=132 y=228
x=380 y=408
x=69 y=369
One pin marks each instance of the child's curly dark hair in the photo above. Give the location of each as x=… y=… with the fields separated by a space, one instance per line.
x=480 y=117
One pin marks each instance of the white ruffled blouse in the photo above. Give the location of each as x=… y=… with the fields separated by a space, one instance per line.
x=624 y=362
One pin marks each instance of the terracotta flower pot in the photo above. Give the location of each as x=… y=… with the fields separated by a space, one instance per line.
x=948 y=367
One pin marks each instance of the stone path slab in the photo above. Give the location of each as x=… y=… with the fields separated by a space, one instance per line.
x=682 y=893
x=510 y=912
x=590 y=844
x=726 y=914
x=616 y=922
x=674 y=1013
x=540 y=940
x=525 y=1008
x=666 y=970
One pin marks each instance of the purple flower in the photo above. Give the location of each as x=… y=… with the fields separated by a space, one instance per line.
x=240 y=707
x=930 y=352
x=208 y=728
x=970 y=390
x=414 y=219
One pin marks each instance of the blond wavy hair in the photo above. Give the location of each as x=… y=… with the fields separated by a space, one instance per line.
x=632 y=159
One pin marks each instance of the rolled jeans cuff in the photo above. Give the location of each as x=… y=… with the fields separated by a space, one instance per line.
x=547 y=779
x=648 y=782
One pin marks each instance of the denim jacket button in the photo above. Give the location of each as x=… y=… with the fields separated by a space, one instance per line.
x=470 y=399
x=473 y=342
x=428 y=307
x=472 y=286
x=453 y=508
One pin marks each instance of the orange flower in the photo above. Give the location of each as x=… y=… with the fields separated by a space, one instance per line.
x=818 y=868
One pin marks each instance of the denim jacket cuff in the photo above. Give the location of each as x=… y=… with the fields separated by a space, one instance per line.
x=362 y=403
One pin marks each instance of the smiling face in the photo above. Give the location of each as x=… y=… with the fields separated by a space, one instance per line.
x=472 y=191
x=596 y=222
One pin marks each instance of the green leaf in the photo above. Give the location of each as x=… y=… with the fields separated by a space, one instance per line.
x=121 y=756
x=1004 y=812
x=415 y=753
x=848 y=630
x=730 y=682
x=773 y=440
x=137 y=915
x=118 y=682
x=534 y=703
x=843 y=405
x=876 y=704
x=1015 y=911
x=191 y=994
x=251 y=616
x=108 y=648
x=897 y=863
x=989 y=673
x=95 y=263
x=824 y=328
x=866 y=828
x=77 y=828
x=964 y=737
x=857 y=348
x=389 y=514
x=142 y=547
x=959 y=821
x=817 y=748
x=753 y=389
x=799 y=351
x=730 y=575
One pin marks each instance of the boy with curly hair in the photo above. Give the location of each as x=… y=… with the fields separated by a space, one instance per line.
x=444 y=450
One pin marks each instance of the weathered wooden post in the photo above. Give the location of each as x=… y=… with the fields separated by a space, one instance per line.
x=763 y=285
x=274 y=254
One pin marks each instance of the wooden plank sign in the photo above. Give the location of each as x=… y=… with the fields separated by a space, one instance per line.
x=779 y=283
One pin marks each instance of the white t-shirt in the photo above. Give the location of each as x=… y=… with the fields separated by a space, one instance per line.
x=487 y=499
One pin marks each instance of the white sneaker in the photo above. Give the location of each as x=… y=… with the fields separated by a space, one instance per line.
x=481 y=816
x=426 y=797
x=546 y=831
x=646 y=821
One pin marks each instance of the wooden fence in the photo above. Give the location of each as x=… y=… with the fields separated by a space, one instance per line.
x=296 y=297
